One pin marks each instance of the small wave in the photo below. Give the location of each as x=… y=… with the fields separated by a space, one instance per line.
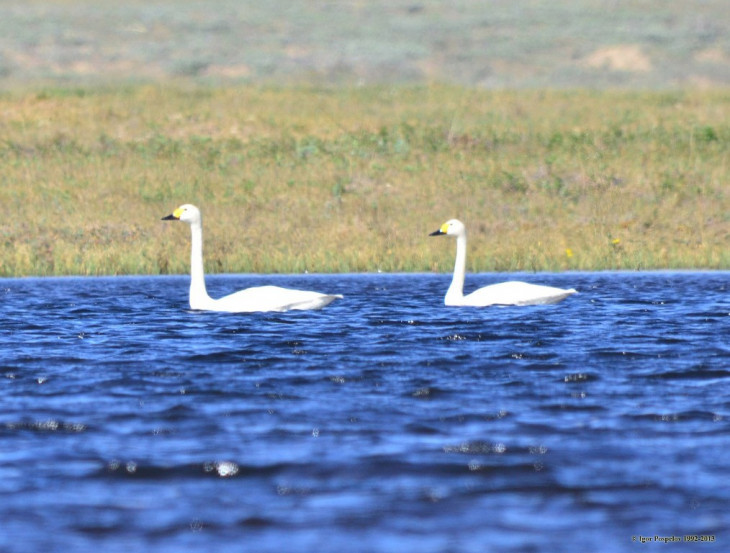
x=574 y=378
x=398 y=322
x=578 y=407
x=692 y=374
x=428 y=392
x=50 y=425
x=473 y=448
x=470 y=337
x=218 y=469
x=682 y=416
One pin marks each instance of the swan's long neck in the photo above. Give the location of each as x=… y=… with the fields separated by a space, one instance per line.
x=456 y=290
x=198 y=293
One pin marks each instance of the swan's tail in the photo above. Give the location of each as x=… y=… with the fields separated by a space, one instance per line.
x=555 y=298
x=315 y=303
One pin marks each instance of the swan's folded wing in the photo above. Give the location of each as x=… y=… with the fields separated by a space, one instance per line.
x=516 y=293
x=273 y=298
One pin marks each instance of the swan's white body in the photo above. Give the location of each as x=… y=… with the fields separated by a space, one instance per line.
x=259 y=298
x=504 y=293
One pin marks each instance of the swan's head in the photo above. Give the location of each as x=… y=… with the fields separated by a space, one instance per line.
x=186 y=213
x=452 y=227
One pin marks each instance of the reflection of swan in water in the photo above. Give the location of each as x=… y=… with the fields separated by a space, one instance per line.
x=259 y=298
x=505 y=293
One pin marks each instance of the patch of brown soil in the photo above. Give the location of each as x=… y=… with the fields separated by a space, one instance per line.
x=622 y=57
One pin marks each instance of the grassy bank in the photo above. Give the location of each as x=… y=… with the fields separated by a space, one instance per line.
x=333 y=180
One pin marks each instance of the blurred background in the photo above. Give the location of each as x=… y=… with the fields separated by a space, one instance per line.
x=650 y=44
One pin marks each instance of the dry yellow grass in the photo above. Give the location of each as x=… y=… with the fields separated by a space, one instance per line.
x=353 y=179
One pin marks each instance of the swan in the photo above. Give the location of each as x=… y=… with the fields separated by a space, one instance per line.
x=258 y=298
x=504 y=293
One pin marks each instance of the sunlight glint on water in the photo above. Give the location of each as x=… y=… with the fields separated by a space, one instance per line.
x=384 y=422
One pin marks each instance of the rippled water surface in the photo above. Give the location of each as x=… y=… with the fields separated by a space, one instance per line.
x=385 y=422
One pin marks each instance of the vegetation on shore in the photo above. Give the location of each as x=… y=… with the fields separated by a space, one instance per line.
x=301 y=179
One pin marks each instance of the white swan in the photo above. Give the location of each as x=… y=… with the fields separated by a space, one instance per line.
x=259 y=298
x=504 y=293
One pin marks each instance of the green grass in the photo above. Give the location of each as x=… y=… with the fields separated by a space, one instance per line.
x=293 y=179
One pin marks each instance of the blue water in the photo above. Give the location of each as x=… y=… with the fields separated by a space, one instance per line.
x=385 y=422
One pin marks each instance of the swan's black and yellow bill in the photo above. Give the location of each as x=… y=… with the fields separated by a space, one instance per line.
x=174 y=216
x=440 y=231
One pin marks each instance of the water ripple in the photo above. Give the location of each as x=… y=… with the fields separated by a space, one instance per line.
x=384 y=422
